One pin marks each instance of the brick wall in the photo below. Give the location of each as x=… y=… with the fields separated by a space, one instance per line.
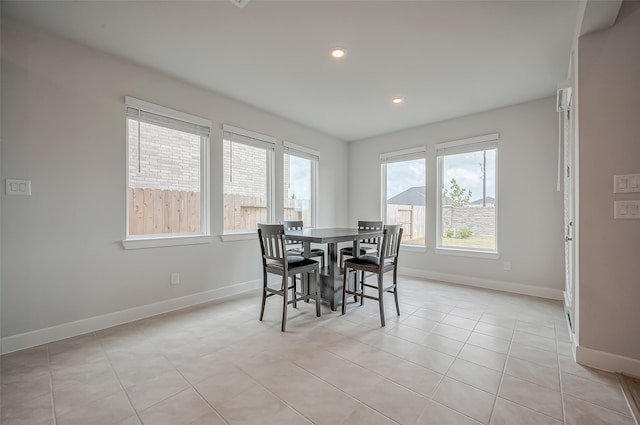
x=483 y=219
x=168 y=159
x=246 y=175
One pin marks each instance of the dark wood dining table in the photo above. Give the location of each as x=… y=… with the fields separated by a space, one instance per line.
x=330 y=277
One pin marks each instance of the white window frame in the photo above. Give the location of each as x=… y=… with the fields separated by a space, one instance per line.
x=293 y=149
x=251 y=138
x=184 y=122
x=472 y=144
x=419 y=152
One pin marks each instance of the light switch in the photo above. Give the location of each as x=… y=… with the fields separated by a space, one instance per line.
x=18 y=187
x=626 y=210
x=627 y=183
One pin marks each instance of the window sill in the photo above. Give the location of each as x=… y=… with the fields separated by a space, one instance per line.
x=240 y=236
x=492 y=255
x=160 y=242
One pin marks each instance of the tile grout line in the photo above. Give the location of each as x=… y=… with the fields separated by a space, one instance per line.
x=504 y=368
x=632 y=402
x=377 y=349
x=50 y=374
x=564 y=409
x=328 y=383
x=115 y=372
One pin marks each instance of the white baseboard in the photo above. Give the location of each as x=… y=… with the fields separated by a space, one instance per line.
x=517 y=288
x=67 y=330
x=607 y=361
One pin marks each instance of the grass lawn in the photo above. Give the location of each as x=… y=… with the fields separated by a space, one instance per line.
x=473 y=242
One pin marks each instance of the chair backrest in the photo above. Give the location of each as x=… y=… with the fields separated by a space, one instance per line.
x=271 y=238
x=370 y=225
x=293 y=225
x=391 y=239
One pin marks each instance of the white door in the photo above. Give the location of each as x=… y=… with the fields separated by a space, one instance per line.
x=569 y=214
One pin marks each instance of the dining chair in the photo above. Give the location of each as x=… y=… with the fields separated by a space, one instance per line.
x=296 y=247
x=385 y=261
x=277 y=260
x=367 y=246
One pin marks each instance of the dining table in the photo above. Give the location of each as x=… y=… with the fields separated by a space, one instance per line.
x=330 y=276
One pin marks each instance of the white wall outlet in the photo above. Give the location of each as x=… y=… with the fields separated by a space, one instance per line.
x=507 y=265
x=626 y=210
x=175 y=278
x=627 y=183
x=18 y=187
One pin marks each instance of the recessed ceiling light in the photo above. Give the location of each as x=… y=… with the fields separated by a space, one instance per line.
x=338 y=53
x=240 y=3
x=397 y=100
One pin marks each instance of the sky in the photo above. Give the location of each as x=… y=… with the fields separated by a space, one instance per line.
x=300 y=171
x=466 y=168
x=404 y=175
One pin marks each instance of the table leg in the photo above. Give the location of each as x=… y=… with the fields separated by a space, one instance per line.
x=331 y=281
x=356 y=253
x=333 y=284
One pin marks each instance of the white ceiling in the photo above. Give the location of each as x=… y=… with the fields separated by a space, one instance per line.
x=446 y=58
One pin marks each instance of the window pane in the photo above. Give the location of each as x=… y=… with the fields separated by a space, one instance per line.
x=298 y=189
x=468 y=209
x=406 y=199
x=245 y=186
x=164 y=180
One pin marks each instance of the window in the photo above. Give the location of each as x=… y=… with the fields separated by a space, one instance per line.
x=168 y=172
x=300 y=168
x=404 y=193
x=248 y=180
x=468 y=196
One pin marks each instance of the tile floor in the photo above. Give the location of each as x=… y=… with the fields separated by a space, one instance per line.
x=456 y=355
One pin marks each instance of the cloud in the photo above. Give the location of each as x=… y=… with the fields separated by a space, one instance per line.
x=404 y=175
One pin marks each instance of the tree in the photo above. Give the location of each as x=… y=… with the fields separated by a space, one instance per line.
x=458 y=197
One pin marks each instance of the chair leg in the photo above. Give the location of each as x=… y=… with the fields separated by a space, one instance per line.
x=344 y=288
x=305 y=285
x=316 y=277
x=355 y=286
x=264 y=295
x=293 y=291
x=381 y=298
x=395 y=292
x=285 y=302
x=362 y=286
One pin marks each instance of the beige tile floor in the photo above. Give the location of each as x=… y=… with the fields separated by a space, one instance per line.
x=456 y=355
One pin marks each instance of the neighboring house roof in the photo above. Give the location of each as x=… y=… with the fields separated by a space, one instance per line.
x=489 y=201
x=416 y=196
x=412 y=196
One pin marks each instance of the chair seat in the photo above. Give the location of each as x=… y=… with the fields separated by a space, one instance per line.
x=293 y=262
x=315 y=252
x=369 y=260
x=363 y=250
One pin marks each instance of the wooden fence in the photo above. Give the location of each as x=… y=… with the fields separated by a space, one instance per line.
x=412 y=219
x=245 y=212
x=163 y=211
x=154 y=211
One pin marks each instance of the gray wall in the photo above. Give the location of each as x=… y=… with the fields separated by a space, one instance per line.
x=609 y=144
x=64 y=129
x=530 y=234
